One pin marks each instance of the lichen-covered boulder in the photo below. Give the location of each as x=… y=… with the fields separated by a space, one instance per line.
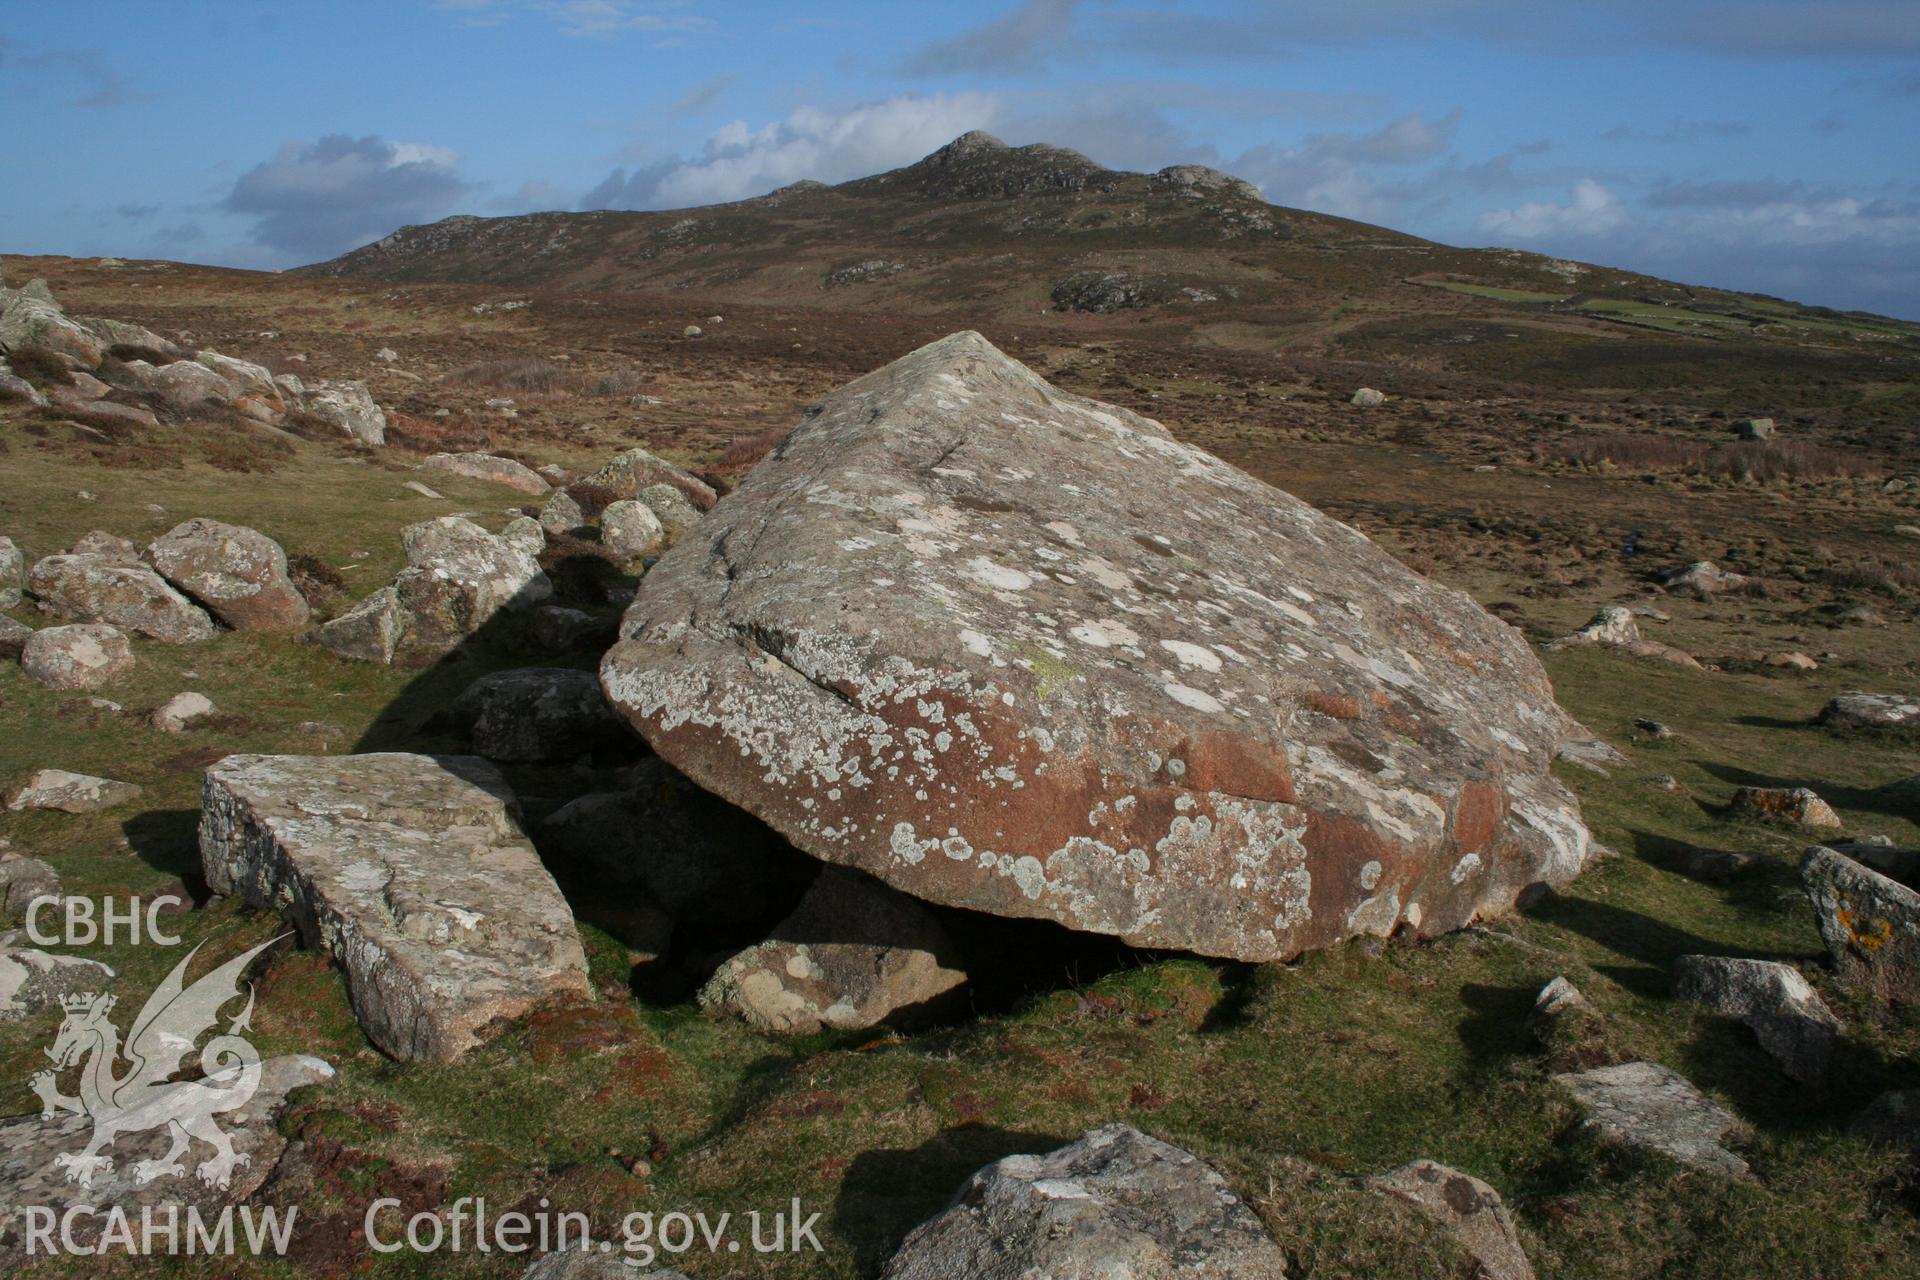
x=1858 y=710
x=368 y=632
x=412 y=873
x=84 y=655
x=949 y=635
x=97 y=588
x=537 y=713
x=1470 y=1210
x=13 y=637
x=29 y=320
x=638 y=469
x=675 y=512
x=562 y=513
x=350 y=407
x=1869 y=921
x=629 y=528
x=853 y=954
x=13 y=573
x=1114 y=1205
x=485 y=466
x=1783 y=1010
x=458 y=576
x=1795 y=806
x=238 y=573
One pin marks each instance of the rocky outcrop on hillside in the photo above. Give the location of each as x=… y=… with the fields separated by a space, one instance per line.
x=948 y=636
x=123 y=373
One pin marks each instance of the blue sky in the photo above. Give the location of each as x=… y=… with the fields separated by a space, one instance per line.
x=1760 y=144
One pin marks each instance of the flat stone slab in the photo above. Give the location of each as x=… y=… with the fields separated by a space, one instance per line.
x=1647 y=1106
x=412 y=873
x=1013 y=650
x=70 y=792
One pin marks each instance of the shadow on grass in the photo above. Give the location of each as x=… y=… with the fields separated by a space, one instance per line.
x=886 y=1194
x=1495 y=1029
x=168 y=840
x=1860 y=799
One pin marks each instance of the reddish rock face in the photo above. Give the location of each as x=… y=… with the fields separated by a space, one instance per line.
x=1014 y=650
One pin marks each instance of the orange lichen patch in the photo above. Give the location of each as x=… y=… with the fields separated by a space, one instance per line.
x=1335 y=706
x=1878 y=931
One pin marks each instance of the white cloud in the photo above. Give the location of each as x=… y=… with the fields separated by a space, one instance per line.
x=1346 y=173
x=830 y=146
x=1593 y=211
x=317 y=199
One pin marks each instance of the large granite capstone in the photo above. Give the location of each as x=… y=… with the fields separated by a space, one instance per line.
x=1010 y=649
x=412 y=873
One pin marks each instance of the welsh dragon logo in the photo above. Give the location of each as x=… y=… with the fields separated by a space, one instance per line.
x=144 y=1095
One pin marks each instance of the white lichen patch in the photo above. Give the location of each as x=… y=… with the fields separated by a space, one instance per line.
x=1192 y=656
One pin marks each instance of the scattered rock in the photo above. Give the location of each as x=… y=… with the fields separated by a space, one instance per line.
x=1870 y=923
x=13 y=573
x=693 y=855
x=916 y=673
x=95 y=588
x=1754 y=429
x=1646 y=1106
x=525 y=533
x=585 y=1264
x=458 y=577
x=1715 y=864
x=349 y=406
x=537 y=713
x=1704 y=579
x=1654 y=729
x=70 y=792
x=1858 y=710
x=414 y=486
x=32 y=980
x=1368 y=398
x=1615 y=627
x=1569 y=1028
x=691 y=331
x=1798 y=806
x=1104 y=292
x=1891 y=1120
x=29 y=320
x=635 y=470
x=368 y=632
x=386 y=355
x=239 y=574
x=562 y=514
x=853 y=954
x=1786 y=1014
x=83 y=656
x=411 y=872
x=16 y=389
x=181 y=712
x=629 y=528
x=1794 y=661
x=1470 y=1210
x=1114 y=1203
x=672 y=508
x=13 y=637
x=23 y=882
x=30 y=1174
x=1594 y=754
x=108 y=546
x=553 y=628
x=485 y=466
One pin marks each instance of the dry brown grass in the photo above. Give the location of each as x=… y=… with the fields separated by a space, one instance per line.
x=1747 y=460
x=532 y=376
x=40 y=366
